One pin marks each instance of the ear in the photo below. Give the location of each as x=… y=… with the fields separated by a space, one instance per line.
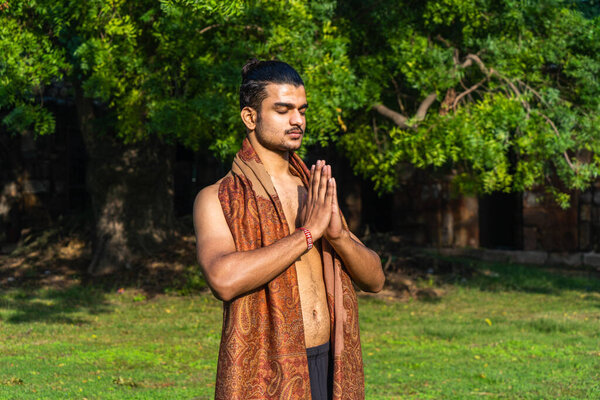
x=249 y=117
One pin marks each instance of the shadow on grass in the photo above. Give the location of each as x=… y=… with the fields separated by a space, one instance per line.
x=495 y=277
x=71 y=305
x=53 y=305
x=45 y=278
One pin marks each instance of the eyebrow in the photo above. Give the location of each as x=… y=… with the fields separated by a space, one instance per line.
x=290 y=105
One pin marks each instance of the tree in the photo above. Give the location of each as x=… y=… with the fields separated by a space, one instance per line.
x=146 y=75
x=500 y=95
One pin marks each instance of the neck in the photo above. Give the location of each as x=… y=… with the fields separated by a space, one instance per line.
x=277 y=163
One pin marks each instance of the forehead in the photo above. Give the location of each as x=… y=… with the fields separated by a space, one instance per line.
x=285 y=93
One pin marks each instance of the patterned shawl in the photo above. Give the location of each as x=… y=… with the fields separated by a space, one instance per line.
x=262 y=353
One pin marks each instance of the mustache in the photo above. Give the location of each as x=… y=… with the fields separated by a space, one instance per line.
x=295 y=130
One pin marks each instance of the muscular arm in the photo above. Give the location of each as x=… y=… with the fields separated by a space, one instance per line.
x=230 y=273
x=362 y=263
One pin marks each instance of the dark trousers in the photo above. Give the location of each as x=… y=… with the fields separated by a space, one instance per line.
x=320 y=370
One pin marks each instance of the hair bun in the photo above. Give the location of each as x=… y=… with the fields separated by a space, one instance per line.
x=249 y=66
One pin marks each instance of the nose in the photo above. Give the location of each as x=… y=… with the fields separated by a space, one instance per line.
x=296 y=118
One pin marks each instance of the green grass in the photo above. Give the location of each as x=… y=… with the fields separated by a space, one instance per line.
x=83 y=343
x=508 y=332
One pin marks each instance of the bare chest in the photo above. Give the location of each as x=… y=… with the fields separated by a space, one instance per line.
x=292 y=195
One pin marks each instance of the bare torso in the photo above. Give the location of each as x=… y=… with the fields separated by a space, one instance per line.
x=309 y=267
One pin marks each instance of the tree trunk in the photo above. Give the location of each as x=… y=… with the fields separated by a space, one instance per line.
x=131 y=189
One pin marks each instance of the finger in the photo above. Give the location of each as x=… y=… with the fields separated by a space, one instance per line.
x=335 y=208
x=310 y=183
x=317 y=180
x=330 y=192
x=323 y=183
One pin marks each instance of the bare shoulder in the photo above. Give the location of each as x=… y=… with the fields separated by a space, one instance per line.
x=208 y=215
x=207 y=199
x=208 y=194
x=213 y=236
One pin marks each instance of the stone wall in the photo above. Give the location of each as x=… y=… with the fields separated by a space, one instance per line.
x=428 y=213
x=548 y=227
x=40 y=177
x=589 y=219
x=574 y=259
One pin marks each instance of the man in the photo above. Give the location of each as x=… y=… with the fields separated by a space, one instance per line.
x=273 y=245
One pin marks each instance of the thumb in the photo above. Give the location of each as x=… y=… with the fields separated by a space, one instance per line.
x=334 y=204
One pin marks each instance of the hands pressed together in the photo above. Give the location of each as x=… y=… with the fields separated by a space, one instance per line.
x=321 y=213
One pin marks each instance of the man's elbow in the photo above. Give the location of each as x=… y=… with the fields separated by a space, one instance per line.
x=220 y=283
x=218 y=291
x=380 y=284
x=222 y=287
x=375 y=286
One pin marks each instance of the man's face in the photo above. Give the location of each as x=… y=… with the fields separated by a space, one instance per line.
x=281 y=121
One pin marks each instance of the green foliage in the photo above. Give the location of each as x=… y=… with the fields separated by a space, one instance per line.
x=515 y=83
x=192 y=282
x=299 y=33
x=172 y=68
x=213 y=7
x=28 y=63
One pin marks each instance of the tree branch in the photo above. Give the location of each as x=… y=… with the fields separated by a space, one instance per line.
x=441 y=39
x=247 y=27
x=473 y=58
x=555 y=129
x=422 y=111
x=375 y=134
x=466 y=92
x=397 y=89
x=208 y=28
x=539 y=96
x=398 y=118
x=514 y=88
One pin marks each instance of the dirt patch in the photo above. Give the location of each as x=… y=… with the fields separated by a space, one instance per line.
x=59 y=257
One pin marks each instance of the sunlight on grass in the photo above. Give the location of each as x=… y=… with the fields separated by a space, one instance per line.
x=516 y=334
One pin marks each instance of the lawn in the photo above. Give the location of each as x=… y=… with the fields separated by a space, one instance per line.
x=506 y=332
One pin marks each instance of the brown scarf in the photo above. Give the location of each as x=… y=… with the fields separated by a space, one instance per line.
x=263 y=353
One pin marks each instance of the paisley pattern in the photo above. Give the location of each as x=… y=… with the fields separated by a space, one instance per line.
x=263 y=353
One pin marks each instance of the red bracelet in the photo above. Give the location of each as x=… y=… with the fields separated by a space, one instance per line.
x=309 y=240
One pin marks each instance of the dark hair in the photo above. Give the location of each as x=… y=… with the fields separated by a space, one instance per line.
x=257 y=74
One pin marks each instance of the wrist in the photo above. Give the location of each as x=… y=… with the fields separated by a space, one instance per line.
x=316 y=234
x=345 y=234
x=307 y=236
